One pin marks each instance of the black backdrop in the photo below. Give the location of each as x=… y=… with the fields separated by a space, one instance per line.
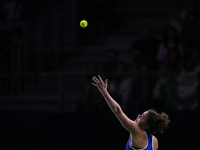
x=91 y=130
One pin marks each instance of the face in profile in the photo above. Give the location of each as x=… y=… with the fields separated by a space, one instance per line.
x=141 y=120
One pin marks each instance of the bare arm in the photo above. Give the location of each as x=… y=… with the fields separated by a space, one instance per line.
x=114 y=106
x=102 y=87
x=155 y=143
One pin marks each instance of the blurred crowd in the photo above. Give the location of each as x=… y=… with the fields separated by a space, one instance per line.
x=163 y=73
x=160 y=72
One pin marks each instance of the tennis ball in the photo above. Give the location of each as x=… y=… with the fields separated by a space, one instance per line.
x=83 y=23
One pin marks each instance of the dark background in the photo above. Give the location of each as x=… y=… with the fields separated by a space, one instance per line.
x=22 y=130
x=44 y=58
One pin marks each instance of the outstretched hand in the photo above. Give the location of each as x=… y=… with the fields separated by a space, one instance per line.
x=98 y=82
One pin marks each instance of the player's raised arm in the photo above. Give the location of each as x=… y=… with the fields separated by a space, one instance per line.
x=143 y=128
x=127 y=123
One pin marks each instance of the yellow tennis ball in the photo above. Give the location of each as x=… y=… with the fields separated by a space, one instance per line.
x=83 y=23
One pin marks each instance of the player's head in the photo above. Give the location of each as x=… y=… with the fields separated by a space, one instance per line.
x=153 y=122
x=141 y=120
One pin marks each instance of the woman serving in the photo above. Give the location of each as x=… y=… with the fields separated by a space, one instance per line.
x=143 y=129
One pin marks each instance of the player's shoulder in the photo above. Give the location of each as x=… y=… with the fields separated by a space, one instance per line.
x=155 y=143
x=155 y=139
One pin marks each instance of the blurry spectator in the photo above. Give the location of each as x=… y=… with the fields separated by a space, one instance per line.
x=195 y=56
x=198 y=89
x=191 y=52
x=158 y=93
x=173 y=62
x=139 y=93
x=176 y=15
x=171 y=101
x=170 y=42
x=179 y=90
x=147 y=45
x=191 y=30
x=187 y=87
x=91 y=96
x=126 y=88
x=134 y=57
x=117 y=86
x=165 y=90
x=144 y=86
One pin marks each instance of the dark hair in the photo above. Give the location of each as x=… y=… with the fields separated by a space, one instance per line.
x=157 y=122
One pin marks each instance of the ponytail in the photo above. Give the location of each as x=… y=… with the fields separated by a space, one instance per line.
x=157 y=122
x=163 y=122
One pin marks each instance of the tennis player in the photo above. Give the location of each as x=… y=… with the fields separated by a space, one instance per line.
x=143 y=129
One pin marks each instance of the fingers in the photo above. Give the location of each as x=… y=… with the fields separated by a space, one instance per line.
x=98 y=82
x=95 y=80
x=96 y=85
x=100 y=78
x=106 y=82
